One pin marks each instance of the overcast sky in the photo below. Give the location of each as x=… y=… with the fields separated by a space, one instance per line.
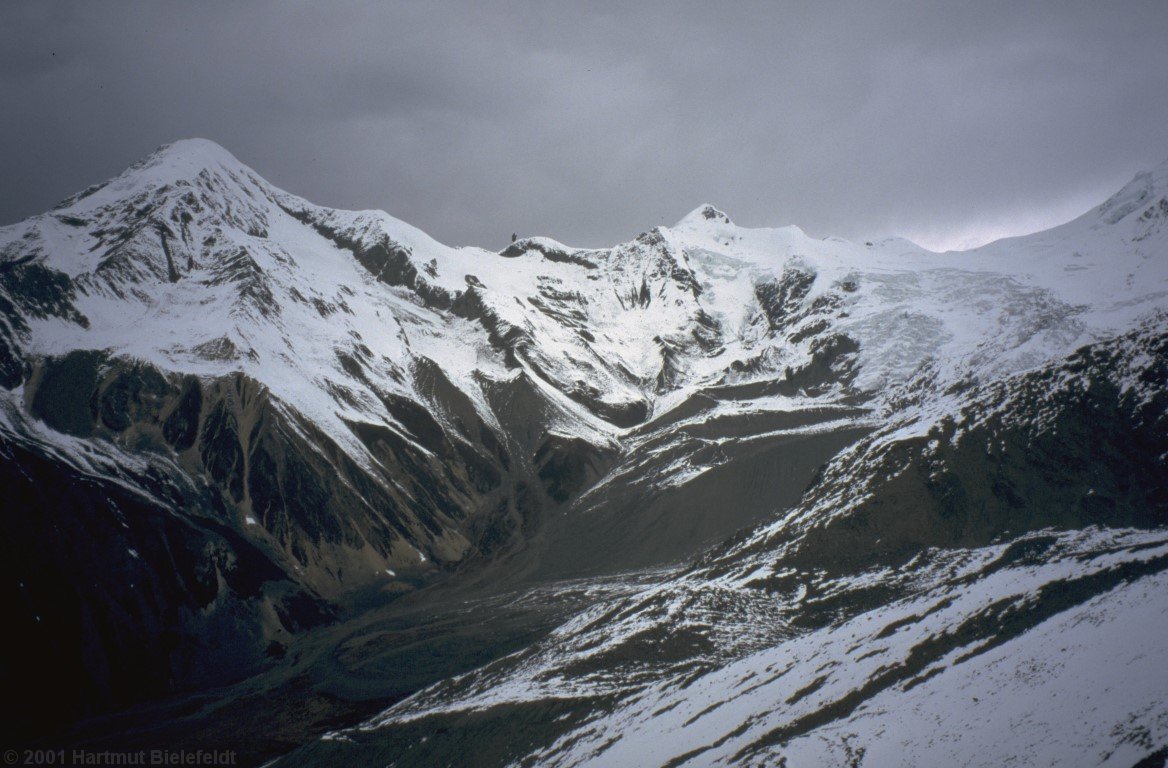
x=950 y=123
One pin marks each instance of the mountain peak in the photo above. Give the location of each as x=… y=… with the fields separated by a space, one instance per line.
x=1142 y=190
x=181 y=160
x=185 y=158
x=194 y=149
x=704 y=213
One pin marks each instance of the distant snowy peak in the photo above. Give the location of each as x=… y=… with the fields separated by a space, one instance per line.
x=183 y=160
x=186 y=158
x=702 y=214
x=1145 y=195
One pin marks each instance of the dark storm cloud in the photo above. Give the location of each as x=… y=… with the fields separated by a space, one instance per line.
x=592 y=122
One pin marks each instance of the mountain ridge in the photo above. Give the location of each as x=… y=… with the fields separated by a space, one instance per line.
x=266 y=413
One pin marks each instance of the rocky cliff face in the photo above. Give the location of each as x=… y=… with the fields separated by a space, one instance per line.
x=236 y=425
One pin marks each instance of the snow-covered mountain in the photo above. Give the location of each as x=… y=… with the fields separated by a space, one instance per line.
x=229 y=416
